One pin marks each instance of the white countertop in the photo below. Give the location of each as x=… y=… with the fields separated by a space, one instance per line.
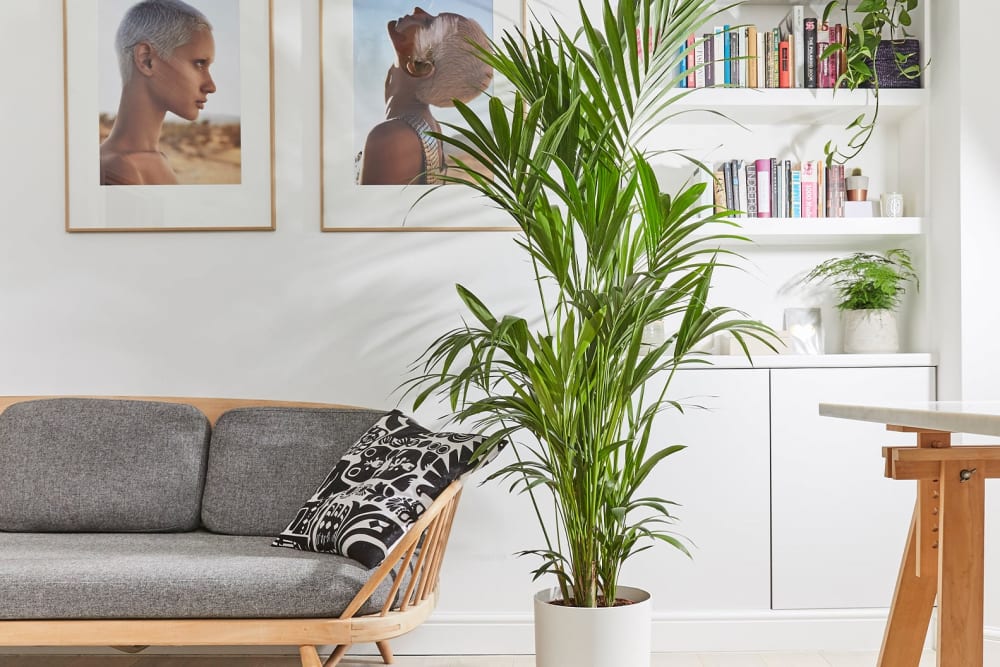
x=982 y=417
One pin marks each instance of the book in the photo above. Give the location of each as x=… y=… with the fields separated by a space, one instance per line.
x=727 y=177
x=784 y=66
x=682 y=68
x=792 y=29
x=742 y=62
x=751 y=181
x=699 y=63
x=787 y=199
x=742 y=194
x=734 y=61
x=763 y=171
x=823 y=70
x=820 y=189
x=719 y=190
x=718 y=56
x=689 y=58
x=778 y=176
x=809 y=189
x=775 y=63
x=752 y=57
x=796 y=193
x=774 y=188
x=761 y=60
x=727 y=55
x=809 y=37
x=837 y=191
x=708 y=47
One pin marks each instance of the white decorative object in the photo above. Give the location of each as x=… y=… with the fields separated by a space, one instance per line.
x=892 y=204
x=593 y=637
x=870 y=331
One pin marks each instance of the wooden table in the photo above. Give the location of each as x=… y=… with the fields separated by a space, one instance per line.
x=943 y=557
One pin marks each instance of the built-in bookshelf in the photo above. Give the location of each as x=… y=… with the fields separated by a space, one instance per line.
x=720 y=124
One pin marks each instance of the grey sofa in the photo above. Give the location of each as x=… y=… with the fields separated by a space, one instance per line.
x=141 y=521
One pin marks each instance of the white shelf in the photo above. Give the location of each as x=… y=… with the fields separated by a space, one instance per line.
x=816 y=361
x=803 y=106
x=820 y=231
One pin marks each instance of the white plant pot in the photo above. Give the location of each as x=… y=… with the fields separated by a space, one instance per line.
x=593 y=637
x=870 y=332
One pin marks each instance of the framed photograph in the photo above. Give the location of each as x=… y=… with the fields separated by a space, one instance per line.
x=390 y=71
x=169 y=115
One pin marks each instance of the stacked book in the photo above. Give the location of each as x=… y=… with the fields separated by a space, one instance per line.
x=786 y=56
x=775 y=188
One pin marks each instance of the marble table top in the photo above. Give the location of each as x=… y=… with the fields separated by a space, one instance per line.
x=981 y=417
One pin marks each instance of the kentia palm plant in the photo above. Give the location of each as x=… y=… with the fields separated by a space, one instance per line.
x=611 y=254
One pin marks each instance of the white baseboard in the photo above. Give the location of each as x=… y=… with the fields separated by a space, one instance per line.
x=835 y=630
x=513 y=634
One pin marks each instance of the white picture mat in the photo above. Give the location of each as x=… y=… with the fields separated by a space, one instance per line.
x=92 y=207
x=351 y=207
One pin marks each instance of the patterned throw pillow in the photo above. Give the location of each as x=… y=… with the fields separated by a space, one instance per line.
x=380 y=487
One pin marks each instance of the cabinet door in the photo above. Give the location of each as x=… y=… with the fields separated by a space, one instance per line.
x=721 y=484
x=838 y=525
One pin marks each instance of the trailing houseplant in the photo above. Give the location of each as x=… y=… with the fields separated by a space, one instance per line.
x=611 y=254
x=870 y=287
x=871 y=27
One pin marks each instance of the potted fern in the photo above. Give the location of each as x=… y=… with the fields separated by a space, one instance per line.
x=870 y=287
x=611 y=254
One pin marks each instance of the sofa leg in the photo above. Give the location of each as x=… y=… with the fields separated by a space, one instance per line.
x=337 y=654
x=386 y=651
x=310 y=658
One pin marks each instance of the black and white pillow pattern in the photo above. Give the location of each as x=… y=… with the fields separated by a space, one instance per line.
x=380 y=487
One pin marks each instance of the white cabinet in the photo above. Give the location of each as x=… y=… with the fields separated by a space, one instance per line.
x=838 y=525
x=721 y=484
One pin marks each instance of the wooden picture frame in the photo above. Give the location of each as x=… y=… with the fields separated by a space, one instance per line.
x=356 y=52
x=215 y=95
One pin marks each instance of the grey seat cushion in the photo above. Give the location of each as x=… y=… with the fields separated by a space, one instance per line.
x=180 y=575
x=265 y=462
x=95 y=465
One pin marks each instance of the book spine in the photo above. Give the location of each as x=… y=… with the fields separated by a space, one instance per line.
x=820 y=189
x=798 y=46
x=779 y=178
x=741 y=187
x=727 y=175
x=775 y=211
x=734 y=61
x=784 y=66
x=796 y=193
x=763 y=169
x=841 y=59
x=809 y=36
x=682 y=68
x=689 y=58
x=709 y=49
x=727 y=55
x=775 y=61
x=787 y=199
x=742 y=61
x=761 y=61
x=699 y=64
x=809 y=189
x=734 y=174
x=719 y=55
x=752 y=57
x=751 y=181
x=719 y=190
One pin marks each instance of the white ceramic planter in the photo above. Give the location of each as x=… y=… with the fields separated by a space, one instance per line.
x=587 y=637
x=870 y=332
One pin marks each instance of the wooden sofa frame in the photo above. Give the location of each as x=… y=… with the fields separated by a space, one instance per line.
x=421 y=550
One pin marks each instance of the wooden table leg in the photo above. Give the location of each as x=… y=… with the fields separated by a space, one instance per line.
x=960 y=627
x=916 y=585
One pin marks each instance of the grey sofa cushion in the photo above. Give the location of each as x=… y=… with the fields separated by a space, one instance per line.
x=264 y=463
x=77 y=464
x=181 y=575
